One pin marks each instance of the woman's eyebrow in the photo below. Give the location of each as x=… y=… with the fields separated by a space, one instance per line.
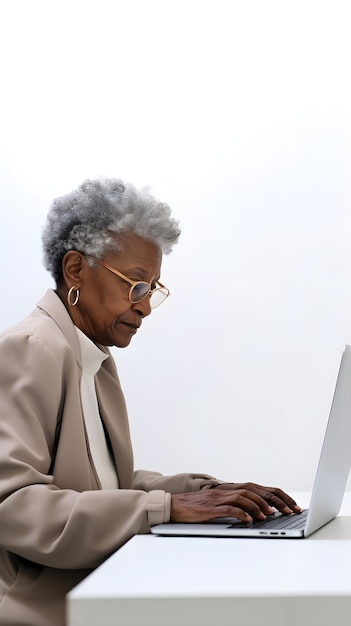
x=143 y=272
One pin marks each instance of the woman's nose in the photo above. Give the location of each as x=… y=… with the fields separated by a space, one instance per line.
x=143 y=307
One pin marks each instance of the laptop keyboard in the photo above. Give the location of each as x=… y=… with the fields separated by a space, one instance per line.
x=296 y=520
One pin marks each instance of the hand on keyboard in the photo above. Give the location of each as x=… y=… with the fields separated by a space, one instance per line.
x=245 y=501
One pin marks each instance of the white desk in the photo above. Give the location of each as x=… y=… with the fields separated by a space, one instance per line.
x=173 y=581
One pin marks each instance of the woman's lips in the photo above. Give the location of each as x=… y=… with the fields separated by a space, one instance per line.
x=132 y=327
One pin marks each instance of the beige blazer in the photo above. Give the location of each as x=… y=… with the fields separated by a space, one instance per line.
x=56 y=523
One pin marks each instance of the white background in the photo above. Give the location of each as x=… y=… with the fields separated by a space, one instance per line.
x=236 y=113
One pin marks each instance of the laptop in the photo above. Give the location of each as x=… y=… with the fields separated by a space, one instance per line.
x=328 y=490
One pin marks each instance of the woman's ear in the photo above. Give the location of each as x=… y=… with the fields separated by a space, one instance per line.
x=72 y=265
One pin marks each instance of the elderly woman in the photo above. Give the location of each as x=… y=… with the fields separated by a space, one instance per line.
x=69 y=495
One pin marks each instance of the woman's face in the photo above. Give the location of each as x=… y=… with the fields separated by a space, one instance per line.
x=104 y=312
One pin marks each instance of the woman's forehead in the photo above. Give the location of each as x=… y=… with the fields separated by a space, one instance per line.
x=137 y=252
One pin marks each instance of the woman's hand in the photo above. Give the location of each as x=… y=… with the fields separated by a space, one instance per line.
x=245 y=501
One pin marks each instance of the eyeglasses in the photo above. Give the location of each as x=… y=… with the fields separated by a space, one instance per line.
x=139 y=288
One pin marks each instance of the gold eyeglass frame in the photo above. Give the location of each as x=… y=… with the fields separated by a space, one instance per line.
x=134 y=282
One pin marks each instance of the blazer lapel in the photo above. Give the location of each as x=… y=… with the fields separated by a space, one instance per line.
x=114 y=416
x=52 y=306
x=110 y=396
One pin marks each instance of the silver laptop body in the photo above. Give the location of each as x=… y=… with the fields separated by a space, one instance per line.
x=329 y=485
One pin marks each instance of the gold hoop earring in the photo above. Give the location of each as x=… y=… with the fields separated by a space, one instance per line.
x=69 y=296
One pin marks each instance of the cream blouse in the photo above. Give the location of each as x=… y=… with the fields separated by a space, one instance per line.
x=92 y=358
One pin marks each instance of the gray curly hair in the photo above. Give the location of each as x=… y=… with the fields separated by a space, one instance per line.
x=88 y=218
